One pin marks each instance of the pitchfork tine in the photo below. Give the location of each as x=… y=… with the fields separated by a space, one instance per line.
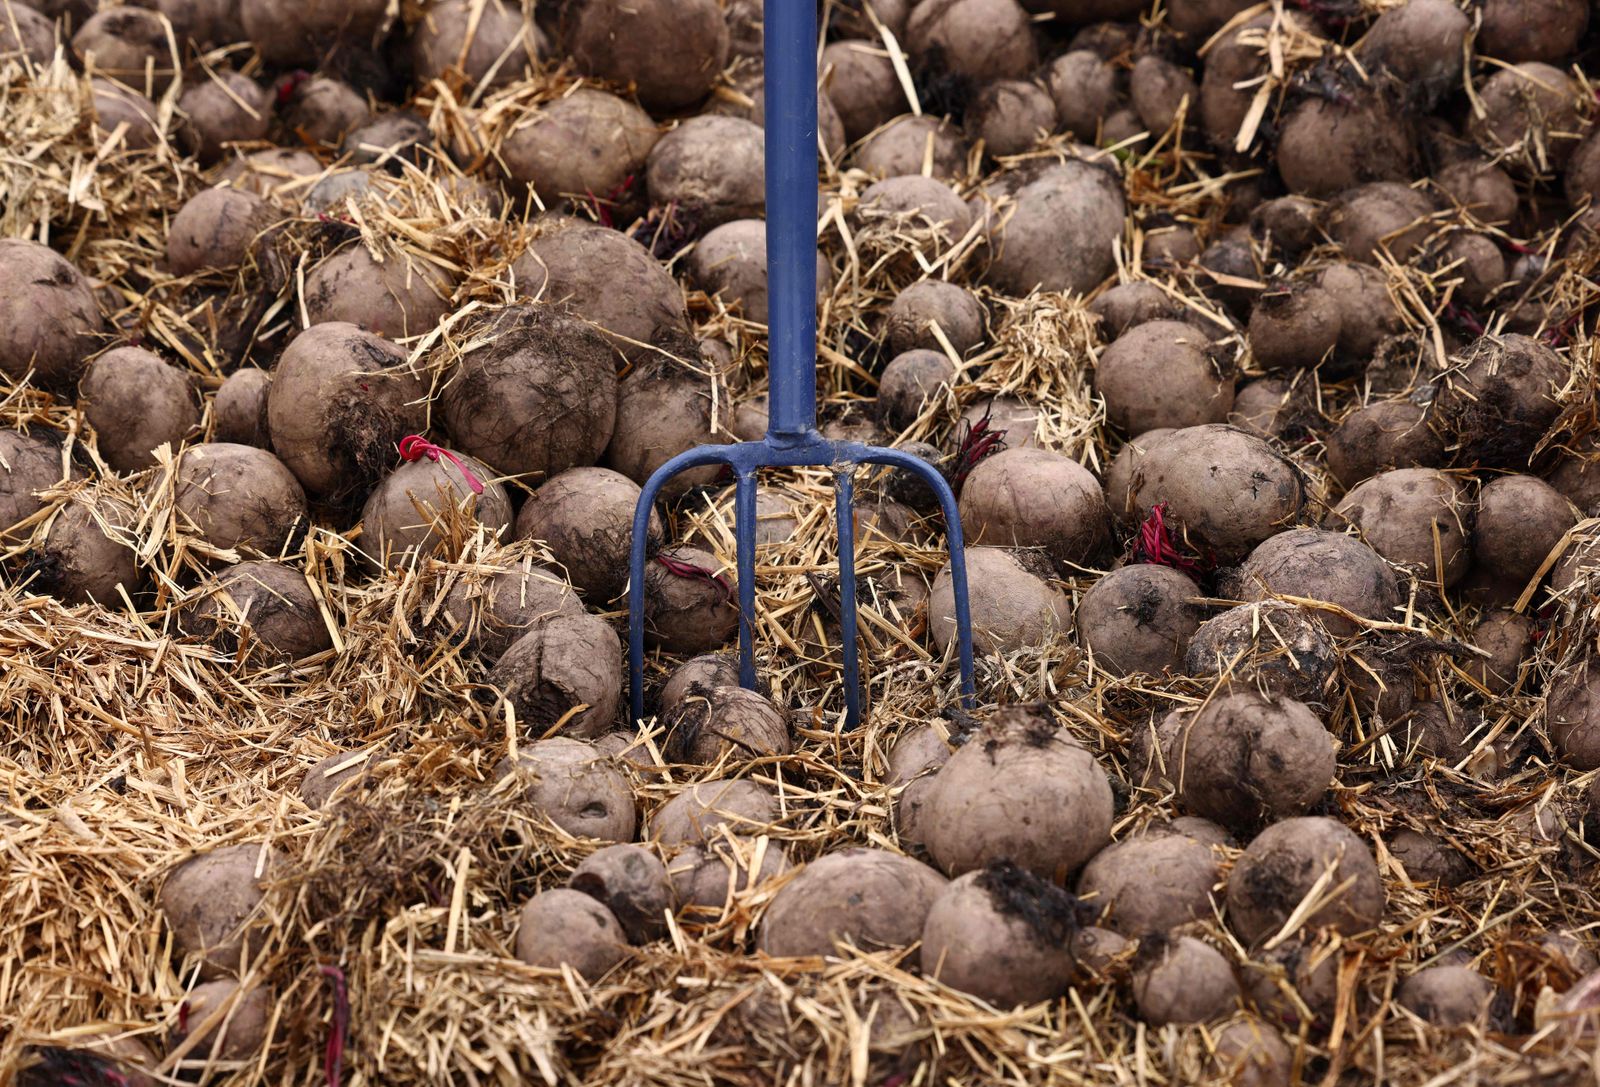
x=792 y=440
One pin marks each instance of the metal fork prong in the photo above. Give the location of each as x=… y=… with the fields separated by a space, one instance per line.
x=844 y=498
x=694 y=458
x=744 y=522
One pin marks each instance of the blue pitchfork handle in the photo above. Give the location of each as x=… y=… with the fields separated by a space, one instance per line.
x=792 y=439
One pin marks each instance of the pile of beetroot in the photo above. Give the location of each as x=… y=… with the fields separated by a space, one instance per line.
x=1256 y=339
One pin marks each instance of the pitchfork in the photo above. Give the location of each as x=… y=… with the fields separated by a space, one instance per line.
x=792 y=439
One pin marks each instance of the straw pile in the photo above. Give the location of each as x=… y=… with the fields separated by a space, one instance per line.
x=129 y=746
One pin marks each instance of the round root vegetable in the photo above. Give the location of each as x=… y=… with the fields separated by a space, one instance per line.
x=1183 y=981
x=536 y=397
x=1243 y=758
x=1412 y=517
x=1015 y=420
x=1520 y=521
x=1002 y=935
x=239 y=410
x=1474 y=260
x=340 y=402
x=280 y=173
x=1572 y=715
x=1163 y=375
x=1127 y=305
x=1231 y=255
x=899 y=147
x=1294 y=326
x=1267 y=408
x=1383 y=215
x=922 y=206
x=1448 y=996
x=291 y=33
x=584 y=142
x=1388 y=434
x=213 y=905
x=1479 y=187
x=1323 y=566
x=563 y=927
x=89 y=551
x=1160 y=90
x=1011 y=599
x=731 y=261
x=1036 y=498
x=1021 y=790
x=1289 y=225
x=1084 y=89
x=1061 y=231
x=225 y=108
x=632 y=883
x=608 y=278
x=265 y=606
x=1326 y=147
x=1229 y=491
x=1580 y=563
x=1170 y=245
x=28 y=33
x=243 y=1017
x=699 y=814
x=860 y=81
x=916 y=755
x=1295 y=982
x=1367 y=312
x=1577 y=474
x=115 y=106
x=430 y=507
x=1427 y=860
x=406 y=295
x=709 y=170
x=665 y=408
x=136 y=404
x=910 y=380
x=1280 y=867
x=50 y=312
x=912 y=315
x=1548 y=30
x=1282 y=649
x=324 y=110
x=689 y=602
x=980 y=40
x=868 y=898
x=1123 y=468
x=127 y=44
x=1150 y=884
x=1139 y=619
x=1010 y=116
x=567 y=669
x=492 y=613
x=1420 y=44
x=725 y=721
x=699 y=675
x=501 y=46
x=1201 y=830
x=333 y=776
x=670 y=50
x=1099 y=952
x=1528 y=113
x=215 y=230
x=705 y=879
x=584 y=516
x=1248 y=1053
x=237 y=496
x=28 y=465
x=575 y=787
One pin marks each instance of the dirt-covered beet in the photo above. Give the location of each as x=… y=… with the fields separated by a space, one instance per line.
x=127 y=44
x=584 y=516
x=266 y=609
x=869 y=898
x=1151 y=883
x=911 y=317
x=489 y=612
x=664 y=408
x=404 y=296
x=1011 y=599
x=340 y=402
x=1182 y=980
x=690 y=602
x=324 y=110
x=1033 y=498
x=1415 y=518
x=29 y=33
x=575 y=787
x=1572 y=715
x=1164 y=375
x=1084 y=89
x=900 y=147
x=213 y=905
x=237 y=497
x=225 y=108
x=584 y=142
x=1022 y=789
x=88 y=552
x=239 y=410
x=1294 y=326
x=731 y=262
x=566 y=669
x=1280 y=649
x=1226 y=489
x=1139 y=619
x=534 y=394
x=118 y=107
x=29 y=464
x=1449 y=995
x=1281 y=866
x=563 y=927
x=1009 y=116
x=709 y=724
x=298 y=32
x=216 y=230
x=1327 y=567
x=1383 y=435
x=501 y=47
x=631 y=882
x=137 y=402
x=911 y=381
x=1060 y=233
x=670 y=50
x=607 y=277
x=709 y=170
x=433 y=508
x=1244 y=759
x=1520 y=521
x=705 y=879
x=51 y=311
x=1001 y=934
x=706 y=810
x=1528 y=112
